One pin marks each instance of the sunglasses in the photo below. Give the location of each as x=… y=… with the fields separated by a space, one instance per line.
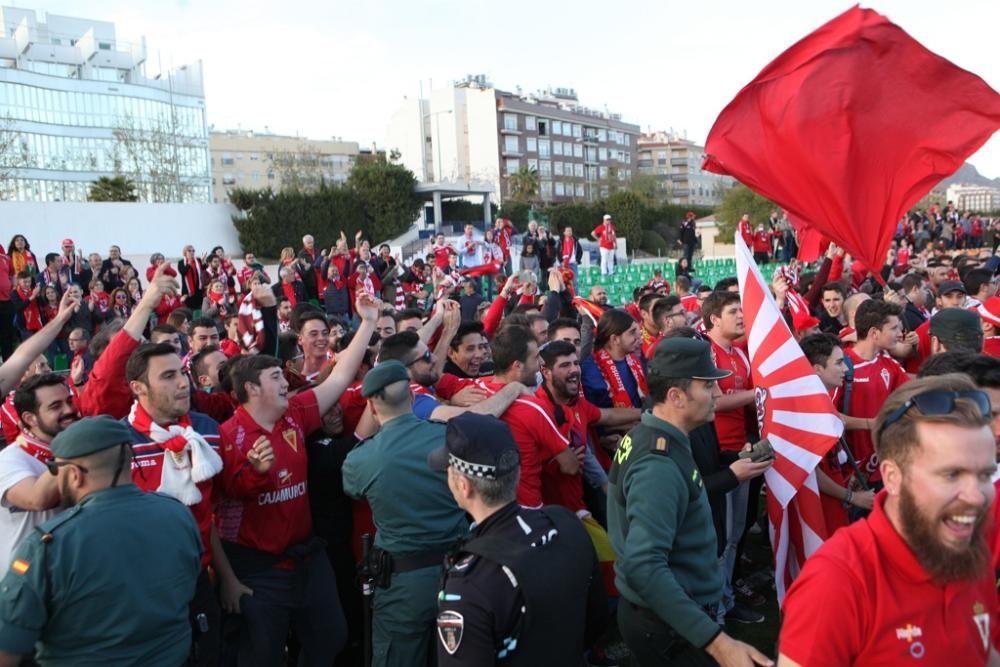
x=426 y=356
x=938 y=402
x=54 y=466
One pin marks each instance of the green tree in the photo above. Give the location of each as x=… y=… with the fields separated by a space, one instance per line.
x=387 y=194
x=523 y=185
x=646 y=186
x=740 y=200
x=113 y=188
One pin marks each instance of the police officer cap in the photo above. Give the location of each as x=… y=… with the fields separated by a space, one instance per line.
x=384 y=374
x=957 y=325
x=89 y=435
x=475 y=445
x=685 y=358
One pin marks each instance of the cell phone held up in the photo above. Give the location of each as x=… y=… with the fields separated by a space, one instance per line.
x=759 y=451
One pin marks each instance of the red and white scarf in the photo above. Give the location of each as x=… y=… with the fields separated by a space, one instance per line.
x=619 y=395
x=193 y=277
x=191 y=459
x=32 y=315
x=34 y=447
x=251 y=324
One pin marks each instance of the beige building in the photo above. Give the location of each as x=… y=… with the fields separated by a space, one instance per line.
x=977 y=198
x=676 y=163
x=248 y=159
x=474 y=132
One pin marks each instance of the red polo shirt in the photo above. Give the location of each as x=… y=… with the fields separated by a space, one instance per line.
x=873 y=382
x=863 y=599
x=268 y=512
x=731 y=425
x=559 y=488
x=536 y=435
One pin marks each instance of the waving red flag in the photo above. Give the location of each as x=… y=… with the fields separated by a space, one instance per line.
x=850 y=127
x=797 y=416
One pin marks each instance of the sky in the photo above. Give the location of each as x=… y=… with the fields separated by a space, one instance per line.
x=340 y=69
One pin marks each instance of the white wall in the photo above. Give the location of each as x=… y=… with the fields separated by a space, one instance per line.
x=484 y=151
x=404 y=135
x=139 y=229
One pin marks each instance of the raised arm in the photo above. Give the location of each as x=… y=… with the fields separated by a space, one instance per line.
x=14 y=367
x=350 y=359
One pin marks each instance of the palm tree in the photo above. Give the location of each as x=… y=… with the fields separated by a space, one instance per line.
x=116 y=188
x=523 y=184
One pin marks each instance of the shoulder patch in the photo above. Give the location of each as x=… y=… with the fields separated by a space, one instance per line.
x=661 y=444
x=20 y=566
x=462 y=563
x=450 y=627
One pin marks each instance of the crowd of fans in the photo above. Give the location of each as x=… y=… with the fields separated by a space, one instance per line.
x=247 y=394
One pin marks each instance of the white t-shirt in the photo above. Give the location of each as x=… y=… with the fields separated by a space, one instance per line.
x=15 y=523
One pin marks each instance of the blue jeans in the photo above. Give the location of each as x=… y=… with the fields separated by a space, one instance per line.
x=736 y=519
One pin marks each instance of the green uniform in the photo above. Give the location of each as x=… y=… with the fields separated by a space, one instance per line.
x=660 y=526
x=107 y=582
x=415 y=514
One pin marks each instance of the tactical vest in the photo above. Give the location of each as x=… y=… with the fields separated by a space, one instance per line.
x=552 y=578
x=644 y=441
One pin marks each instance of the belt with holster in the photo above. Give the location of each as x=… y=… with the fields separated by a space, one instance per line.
x=382 y=564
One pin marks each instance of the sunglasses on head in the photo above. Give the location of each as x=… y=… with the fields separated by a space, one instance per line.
x=938 y=402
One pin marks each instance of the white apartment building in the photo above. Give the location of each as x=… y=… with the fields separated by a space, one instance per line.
x=76 y=104
x=475 y=132
x=675 y=162
x=976 y=198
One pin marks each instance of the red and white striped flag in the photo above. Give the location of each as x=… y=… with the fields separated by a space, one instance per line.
x=796 y=414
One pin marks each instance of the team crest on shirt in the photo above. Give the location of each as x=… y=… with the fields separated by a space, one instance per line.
x=760 y=401
x=284 y=477
x=292 y=438
x=450 y=624
x=911 y=634
x=982 y=620
x=885 y=377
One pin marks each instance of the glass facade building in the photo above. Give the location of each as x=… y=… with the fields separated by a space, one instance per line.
x=75 y=105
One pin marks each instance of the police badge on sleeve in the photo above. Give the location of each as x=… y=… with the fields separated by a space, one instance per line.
x=450 y=627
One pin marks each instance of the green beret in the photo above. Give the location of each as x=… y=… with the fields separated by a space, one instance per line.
x=384 y=374
x=89 y=435
x=685 y=358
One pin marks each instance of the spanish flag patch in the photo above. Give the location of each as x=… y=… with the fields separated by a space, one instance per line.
x=20 y=566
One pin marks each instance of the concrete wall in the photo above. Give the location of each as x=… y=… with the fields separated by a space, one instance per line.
x=139 y=229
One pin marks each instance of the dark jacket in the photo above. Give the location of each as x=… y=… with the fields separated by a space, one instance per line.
x=336 y=298
x=297 y=287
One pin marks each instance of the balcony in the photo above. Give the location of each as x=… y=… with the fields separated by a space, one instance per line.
x=511 y=131
x=679 y=161
x=681 y=192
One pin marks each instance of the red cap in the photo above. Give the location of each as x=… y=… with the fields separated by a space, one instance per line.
x=68 y=242
x=989 y=310
x=690 y=214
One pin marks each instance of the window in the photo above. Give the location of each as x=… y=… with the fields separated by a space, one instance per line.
x=578 y=170
x=532 y=164
x=556 y=127
x=603 y=172
x=104 y=46
x=591 y=154
x=239 y=156
x=602 y=154
x=560 y=189
x=557 y=168
x=510 y=121
x=544 y=168
x=577 y=130
x=557 y=148
x=545 y=187
x=543 y=128
x=228 y=179
x=602 y=135
x=227 y=158
x=661 y=155
x=577 y=150
x=511 y=144
x=513 y=166
x=544 y=148
x=529 y=122
x=579 y=189
x=532 y=144
x=254 y=157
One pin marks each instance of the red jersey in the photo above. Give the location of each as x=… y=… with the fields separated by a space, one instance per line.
x=536 y=435
x=761 y=241
x=991 y=346
x=873 y=382
x=731 y=425
x=880 y=607
x=690 y=303
x=559 y=488
x=352 y=404
x=606 y=235
x=743 y=227
x=8 y=419
x=441 y=255
x=268 y=512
